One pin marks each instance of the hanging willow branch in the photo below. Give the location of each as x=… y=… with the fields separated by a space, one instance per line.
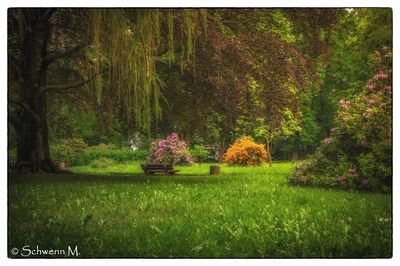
x=126 y=45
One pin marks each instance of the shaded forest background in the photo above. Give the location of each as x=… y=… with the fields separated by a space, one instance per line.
x=209 y=75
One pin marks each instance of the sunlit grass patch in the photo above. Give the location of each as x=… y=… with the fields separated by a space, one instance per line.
x=244 y=212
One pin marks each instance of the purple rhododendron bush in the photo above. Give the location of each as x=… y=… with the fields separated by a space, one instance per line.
x=358 y=153
x=170 y=150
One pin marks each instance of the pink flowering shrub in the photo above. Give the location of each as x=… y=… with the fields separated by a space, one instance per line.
x=170 y=150
x=368 y=115
x=358 y=153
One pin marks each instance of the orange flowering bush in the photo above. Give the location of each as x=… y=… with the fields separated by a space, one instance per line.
x=246 y=152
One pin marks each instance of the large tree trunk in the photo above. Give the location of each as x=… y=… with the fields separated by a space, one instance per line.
x=32 y=140
x=31 y=127
x=30 y=33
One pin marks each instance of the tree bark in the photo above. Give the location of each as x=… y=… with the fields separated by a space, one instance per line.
x=221 y=152
x=29 y=108
x=32 y=144
x=187 y=136
x=267 y=147
x=31 y=129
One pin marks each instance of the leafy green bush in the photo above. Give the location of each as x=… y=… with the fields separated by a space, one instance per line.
x=199 y=153
x=327 y=167
x=102 y=163
x=246 y=152
x=103 y=147
x=61 y=153
x=358 y=154
x=120 y=155
x=76 y=144
x=76 y=152
x=69 y=151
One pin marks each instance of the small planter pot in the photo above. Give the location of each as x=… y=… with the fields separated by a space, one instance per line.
x=215 y=170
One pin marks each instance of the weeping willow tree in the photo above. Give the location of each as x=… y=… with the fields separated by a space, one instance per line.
x=120 y=48
x=126 y=46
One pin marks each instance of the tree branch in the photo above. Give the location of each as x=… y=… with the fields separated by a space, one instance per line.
x=27 y=108
x=67 y=27
x=47 y=14
x=55 y=56
x=64 y=87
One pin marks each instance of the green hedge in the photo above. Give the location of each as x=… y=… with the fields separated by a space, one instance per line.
x=89 y=155
x=121 y=155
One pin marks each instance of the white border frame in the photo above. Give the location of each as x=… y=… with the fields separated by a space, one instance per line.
x=199 y=3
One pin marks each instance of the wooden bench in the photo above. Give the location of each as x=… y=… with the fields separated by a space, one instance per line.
x=150 y=169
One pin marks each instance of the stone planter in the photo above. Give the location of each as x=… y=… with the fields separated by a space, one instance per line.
x=215 y=170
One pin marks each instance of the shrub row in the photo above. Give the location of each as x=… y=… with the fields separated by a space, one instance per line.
x=121 y=155
x=76 y=152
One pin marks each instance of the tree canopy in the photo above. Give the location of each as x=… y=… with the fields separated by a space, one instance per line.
x=212 y=75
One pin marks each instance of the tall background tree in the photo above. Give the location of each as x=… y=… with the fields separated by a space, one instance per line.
x=104 y=75
x=120 y=48
x=32 y=51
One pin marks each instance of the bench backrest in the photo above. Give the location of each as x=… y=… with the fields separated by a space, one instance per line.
x=156 y=167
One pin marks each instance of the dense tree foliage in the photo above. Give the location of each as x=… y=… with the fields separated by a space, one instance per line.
x=358 y=154
x=118 y=48
x=213 y=76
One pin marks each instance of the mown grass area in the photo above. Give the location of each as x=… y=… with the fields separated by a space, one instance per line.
x=244 y=212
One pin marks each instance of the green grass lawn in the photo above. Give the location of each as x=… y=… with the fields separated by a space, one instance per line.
x=244 y=212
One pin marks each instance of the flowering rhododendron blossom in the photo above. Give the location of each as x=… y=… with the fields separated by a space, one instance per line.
x=344 y=103
x=388 y=89
x=333 y=129
x=170 y=150
x=371 y=86
x=371 y=101
x=381 y=75
x=341 y=180
x=328 y=140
